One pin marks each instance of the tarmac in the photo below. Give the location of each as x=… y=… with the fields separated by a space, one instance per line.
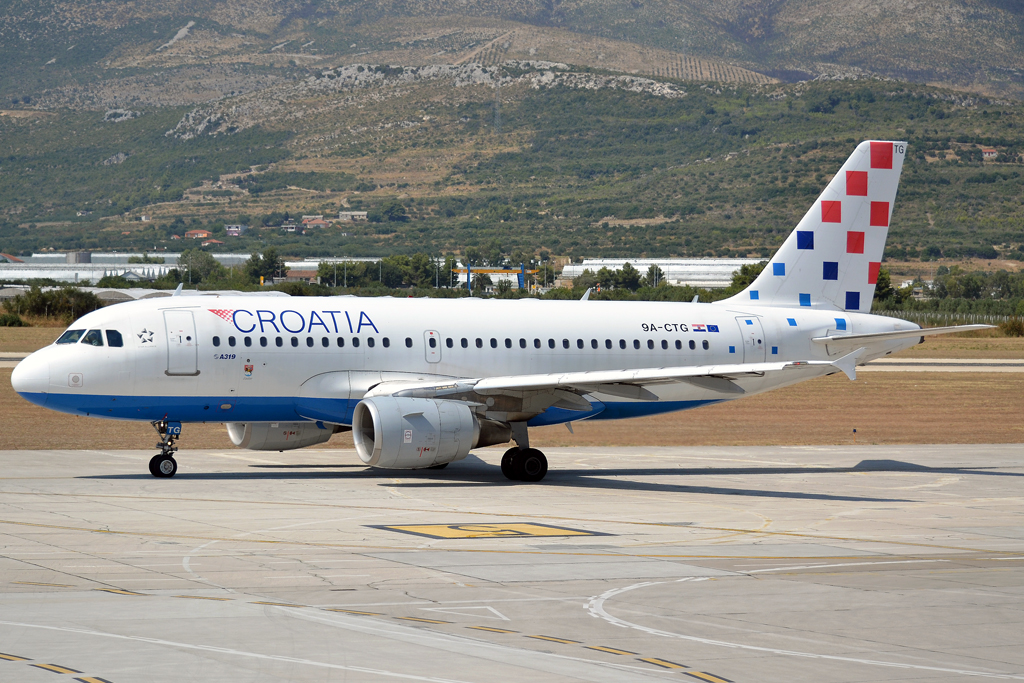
x=749 y=565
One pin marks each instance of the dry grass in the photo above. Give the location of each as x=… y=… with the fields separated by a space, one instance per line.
x=887 y=408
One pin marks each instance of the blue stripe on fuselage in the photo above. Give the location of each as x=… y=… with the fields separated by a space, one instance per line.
x=290 y=409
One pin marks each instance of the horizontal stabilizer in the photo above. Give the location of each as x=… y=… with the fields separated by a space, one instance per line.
x=859 y=339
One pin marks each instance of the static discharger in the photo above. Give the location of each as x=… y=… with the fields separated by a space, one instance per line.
x=515 y=530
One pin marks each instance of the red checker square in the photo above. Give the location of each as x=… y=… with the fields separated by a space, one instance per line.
x=880 y=214
x=854 y=242
x=873 y=268
x=857 y=183
x=881 y=155
x=831 y=212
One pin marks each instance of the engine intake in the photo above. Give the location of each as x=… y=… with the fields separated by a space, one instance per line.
x=409 y=433
x=278 y=436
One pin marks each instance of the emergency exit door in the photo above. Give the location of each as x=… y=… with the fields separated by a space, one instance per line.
x=753 y=339
x=432 y=346
x=182 y=345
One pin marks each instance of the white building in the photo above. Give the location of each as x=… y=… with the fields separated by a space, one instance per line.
x=706 y=273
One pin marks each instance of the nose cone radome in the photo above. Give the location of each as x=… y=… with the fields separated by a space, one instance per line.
x=31 y=378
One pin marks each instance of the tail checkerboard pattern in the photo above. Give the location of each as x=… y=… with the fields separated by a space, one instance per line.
x=831 y=260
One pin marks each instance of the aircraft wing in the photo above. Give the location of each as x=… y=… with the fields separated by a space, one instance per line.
x=859 y=339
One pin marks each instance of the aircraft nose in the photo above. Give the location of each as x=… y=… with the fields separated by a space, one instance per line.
x=31 y=378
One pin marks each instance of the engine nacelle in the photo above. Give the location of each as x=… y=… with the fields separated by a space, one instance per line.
x=409 y=433
x=278 y=436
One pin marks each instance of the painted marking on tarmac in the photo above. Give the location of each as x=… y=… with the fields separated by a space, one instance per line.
x=40 y=583
x=198 y=597
x=118 y=591
x=612 y=650
x=711 y=678
x=238 y=653
x=596 y=607
x=845 y=564
x=274 y=604
x=14 y=658
x=662 y=663
x=426 y=621
x=491 y=629
x=512 y=530
x=92 y=679
x=484 y=612
x=56 y=668
x=556 y=640
x=352 y=611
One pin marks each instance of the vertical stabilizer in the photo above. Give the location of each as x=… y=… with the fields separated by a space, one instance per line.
x=832 y=259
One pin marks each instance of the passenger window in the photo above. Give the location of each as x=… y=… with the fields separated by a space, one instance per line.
x=607 y=343
x=622 y=343
x=325 y=342
x=479 y=343
x=593 y=343
x=551 y=343
x=295 y=341
x=522 y=343
x=93 y=338
x=693 y=345
x=309 y=342
x=536 y=343
x=114 y=339
x=248 y=341
x=579 y=343
x=70 y=337
x=508 y=343
x=110 y=340
x=636 y=343
x=231 y=341
x=465 y=343
x=705 y=344
x=432 y=343
x=355 y=342
x=565 y=343
x=449 y=342
x=263 y=341
x=279 y=342
x=370 y=341
x=679 y=344
x=341 y=343
x=650 y=343
x=385 y=341
x=408 y=342
x=494 y=343
x=664 y=343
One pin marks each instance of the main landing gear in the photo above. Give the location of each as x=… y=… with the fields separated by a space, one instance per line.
x=522 y=463
x=163 y=464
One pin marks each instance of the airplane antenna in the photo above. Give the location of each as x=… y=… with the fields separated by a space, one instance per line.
x=177 y=291
x=586 y=295
x=695 y=297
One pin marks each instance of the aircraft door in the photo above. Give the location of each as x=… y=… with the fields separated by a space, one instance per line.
x=754 y=349
x=432 y=346
x=182 y=345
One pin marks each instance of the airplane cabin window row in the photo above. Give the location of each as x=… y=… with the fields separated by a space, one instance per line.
x=433 y=342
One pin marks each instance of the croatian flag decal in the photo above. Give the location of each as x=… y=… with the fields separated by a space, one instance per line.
x=223 y=313
x=699 y=328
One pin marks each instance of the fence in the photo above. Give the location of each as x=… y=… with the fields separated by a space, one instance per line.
x=940 y=318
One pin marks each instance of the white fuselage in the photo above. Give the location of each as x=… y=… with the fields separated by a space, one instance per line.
x=251 y=358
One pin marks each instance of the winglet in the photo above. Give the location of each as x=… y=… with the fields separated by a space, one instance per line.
x=177 y=292
x=848 y=363
x=586 y=294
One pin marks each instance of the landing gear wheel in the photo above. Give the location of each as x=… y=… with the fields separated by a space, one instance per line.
x=530 y=465
x=506 y=463
x=163 y=466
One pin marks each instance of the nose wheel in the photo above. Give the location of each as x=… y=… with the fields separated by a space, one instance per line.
x=163 y=464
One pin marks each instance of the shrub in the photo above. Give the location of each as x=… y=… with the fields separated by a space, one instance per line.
x=1014 y=327
x=11 y=320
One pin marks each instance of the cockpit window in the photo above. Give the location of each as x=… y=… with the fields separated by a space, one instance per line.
x=70 y=337
x=114 y=338
x=93 y=338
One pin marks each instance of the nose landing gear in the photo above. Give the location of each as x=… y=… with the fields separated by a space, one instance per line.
x=163 y=464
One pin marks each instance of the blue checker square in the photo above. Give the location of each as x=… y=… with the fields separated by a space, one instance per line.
x=805 y=299
x=753 y=295
x=830 y=270
x=804 y=239
x=791 y=321
x=732 y=349
x=841 y=323
x=778 y=269
x=775 y=350
x=853 y=301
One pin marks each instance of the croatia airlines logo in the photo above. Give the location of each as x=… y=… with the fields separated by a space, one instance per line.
x=223 y=313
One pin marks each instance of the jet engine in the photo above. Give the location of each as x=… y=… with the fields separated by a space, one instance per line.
x=408 y=433
x=278 y=436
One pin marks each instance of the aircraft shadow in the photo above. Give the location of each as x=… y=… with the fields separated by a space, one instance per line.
x=474 y=472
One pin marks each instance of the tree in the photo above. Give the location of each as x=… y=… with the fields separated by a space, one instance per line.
x=198 y=266
x=268 y=264
x=655 y=277
x=744 y=277
x=584 y=280
x=628 y=277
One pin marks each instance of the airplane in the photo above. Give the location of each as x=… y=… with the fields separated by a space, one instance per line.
x=421 y=382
